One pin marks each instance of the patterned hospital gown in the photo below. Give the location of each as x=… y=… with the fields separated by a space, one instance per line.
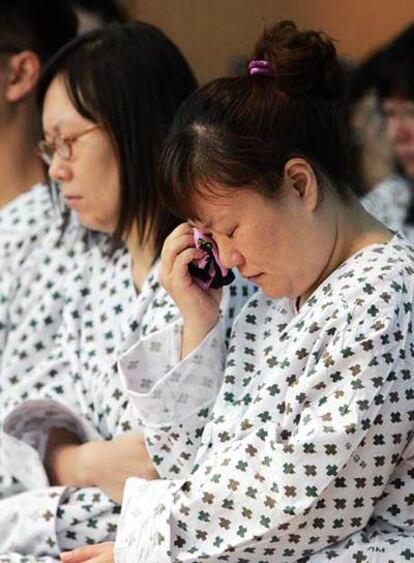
x=308 y=449
x=389 y=202
x=35 y=259
x=77 y=386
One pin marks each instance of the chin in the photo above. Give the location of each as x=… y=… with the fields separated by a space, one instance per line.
x=272 y=292
x=93 y=224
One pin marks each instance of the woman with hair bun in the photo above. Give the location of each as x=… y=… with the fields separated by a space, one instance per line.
x=306 y=453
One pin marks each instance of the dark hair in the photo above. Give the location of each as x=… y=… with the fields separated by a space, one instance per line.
x=131 y=78
x=107 y=10
x=395 y=67
x=240 y=132
x=41 y=26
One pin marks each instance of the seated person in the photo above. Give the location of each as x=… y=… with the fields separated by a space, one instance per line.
x=307 y=451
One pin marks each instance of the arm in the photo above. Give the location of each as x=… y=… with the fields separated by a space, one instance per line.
x=106 y=465
x=167 y=393
x=100 y=553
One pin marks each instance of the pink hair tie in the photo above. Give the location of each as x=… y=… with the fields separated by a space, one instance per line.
x=260 y=67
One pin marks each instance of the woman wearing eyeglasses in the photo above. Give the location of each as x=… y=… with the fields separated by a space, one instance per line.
x=108 y=99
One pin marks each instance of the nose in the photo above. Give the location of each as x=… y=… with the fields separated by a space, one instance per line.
x=229 y=256
x=59 y=169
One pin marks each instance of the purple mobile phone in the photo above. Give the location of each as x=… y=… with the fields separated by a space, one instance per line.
x=209 y=272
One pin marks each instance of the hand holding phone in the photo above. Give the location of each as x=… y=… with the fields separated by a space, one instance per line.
x=208 y=272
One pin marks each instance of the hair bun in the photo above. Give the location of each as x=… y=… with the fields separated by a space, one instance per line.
x=305 y=63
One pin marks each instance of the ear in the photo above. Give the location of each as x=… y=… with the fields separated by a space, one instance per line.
x=22 y=75
x=300 y=177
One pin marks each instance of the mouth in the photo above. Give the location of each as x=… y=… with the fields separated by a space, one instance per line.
x=72 y=200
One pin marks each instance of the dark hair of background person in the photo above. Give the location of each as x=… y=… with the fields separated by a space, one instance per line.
x=394 y=67
x=108 y=11
x=41 y=26
x=130 y=78
x=241 y=131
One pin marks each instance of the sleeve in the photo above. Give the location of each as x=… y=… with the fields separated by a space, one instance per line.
x=28 y=526
x=273 y=491
x=170 y=402
x=173 y=399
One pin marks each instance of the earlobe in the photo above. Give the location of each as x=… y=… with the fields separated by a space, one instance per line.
x=23 y=73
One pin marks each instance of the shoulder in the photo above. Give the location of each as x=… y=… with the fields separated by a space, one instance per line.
x=29 y=210
x=388 y=201
x=377 y=282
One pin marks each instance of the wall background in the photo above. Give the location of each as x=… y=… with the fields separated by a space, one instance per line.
x=211 y=32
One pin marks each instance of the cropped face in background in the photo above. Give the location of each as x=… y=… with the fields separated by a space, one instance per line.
x=399 y=117
x=87 y=171
x=280 y=245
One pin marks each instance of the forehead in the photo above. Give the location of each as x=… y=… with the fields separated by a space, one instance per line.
x=396 y=103
x=216 y=206
x=58 y=109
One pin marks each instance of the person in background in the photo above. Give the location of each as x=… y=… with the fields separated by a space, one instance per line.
x=115 y=90
x=392 y=200
x=34 y=257
x=307 y=453
x=27 y=42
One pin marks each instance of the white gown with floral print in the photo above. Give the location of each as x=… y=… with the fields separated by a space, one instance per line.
x=307 y=453
x=36 y=257
x=77 y=386
x=389 y=202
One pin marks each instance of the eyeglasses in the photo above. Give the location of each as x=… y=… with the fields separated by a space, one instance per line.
x=62 y=146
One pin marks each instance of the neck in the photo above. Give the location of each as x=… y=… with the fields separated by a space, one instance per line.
x=142 y=257
x=354 y=230
x=20 y=167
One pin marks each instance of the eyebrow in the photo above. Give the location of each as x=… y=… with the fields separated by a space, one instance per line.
x=205 y=225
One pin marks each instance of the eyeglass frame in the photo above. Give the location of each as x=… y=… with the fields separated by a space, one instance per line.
x=43 y=147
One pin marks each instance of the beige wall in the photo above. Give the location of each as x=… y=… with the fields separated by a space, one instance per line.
x=211 y=32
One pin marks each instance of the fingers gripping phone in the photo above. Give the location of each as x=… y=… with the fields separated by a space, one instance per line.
x=208 y=272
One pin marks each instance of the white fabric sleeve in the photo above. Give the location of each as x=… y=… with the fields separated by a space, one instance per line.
x=28 y=526
x=167 y=390
x=173 y=399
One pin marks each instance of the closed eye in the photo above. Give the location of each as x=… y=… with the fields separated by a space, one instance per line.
x=231 y=235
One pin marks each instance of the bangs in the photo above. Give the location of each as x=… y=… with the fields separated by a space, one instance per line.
x=399 y=81
x=198 y=162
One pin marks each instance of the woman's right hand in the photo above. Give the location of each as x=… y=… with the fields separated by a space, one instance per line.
x=199 y=309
